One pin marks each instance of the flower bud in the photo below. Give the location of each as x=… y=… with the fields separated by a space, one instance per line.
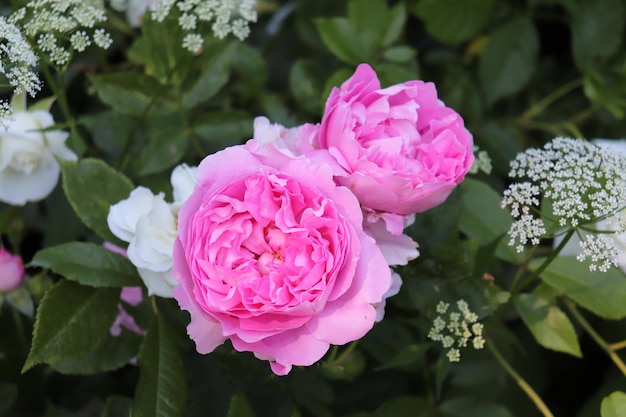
x=11 y=271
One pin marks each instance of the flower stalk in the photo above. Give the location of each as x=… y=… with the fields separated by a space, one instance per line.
x=530 y=392
x=609 y=349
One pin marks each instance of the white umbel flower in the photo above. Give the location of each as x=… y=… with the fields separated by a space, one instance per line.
x=582 y=186
x=455 y=330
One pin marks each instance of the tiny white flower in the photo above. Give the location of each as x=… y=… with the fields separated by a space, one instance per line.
x=80 y=40
x=102 y=38
x=193 y=42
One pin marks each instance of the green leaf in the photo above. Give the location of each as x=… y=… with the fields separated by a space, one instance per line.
x=127 y=92
x=240 y=406
x=162 y=387
x=117 y=406
x=390 y=73
x=216 y=64
x=606 y=90
x=597 y=31
x=22 y=301
x=159 y=50
x=500 y=142
x=406 y=357
x=344 y=40
x=110 y=137
x=18 y=102
x=91 y=186
x=614 y=405
x=71 y=320
x=6 y=217
x=313 y=392
x=600 y=292
x=249 y=65
x=483 y=217
x=570 y=5
x=8 y=395
x=110 y=354
x=167 y=141
x=548 y=324
x=399 y=54
x=454 y=21
x=88 y=264
x=306 y=83
x=220 y=129
x=44 y=104
x=368 y=16
x=406 y=407
x=509 y=59
x=396 y=18
x=472 y=407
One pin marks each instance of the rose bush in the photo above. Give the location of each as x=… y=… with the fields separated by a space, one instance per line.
x=28 y=168
x=402 y=149
x=275 y=261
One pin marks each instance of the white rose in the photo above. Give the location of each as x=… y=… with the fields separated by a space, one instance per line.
x=148 y=223
x=28 y=168
x=123 y=216
x=183 y=181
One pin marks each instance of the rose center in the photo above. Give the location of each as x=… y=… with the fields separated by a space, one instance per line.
x=25 y=162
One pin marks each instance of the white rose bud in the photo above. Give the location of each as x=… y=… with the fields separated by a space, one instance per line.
x=28 y=168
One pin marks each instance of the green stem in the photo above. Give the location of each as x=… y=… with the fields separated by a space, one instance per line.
x=333 y=354
x=153 y=302
x=597 y=338
x=19 y=328
x=530 y=392
x=347 y=351
x=57 y=85
x=129 y=142
x=522 y=267
x=539 y=107
x=545 y=263
x=617 y=346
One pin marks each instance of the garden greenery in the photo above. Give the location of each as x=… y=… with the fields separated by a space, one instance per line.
x=286 y=208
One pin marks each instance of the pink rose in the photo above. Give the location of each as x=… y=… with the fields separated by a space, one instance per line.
x=11 y=271
x=275 y=261
x=402 y=149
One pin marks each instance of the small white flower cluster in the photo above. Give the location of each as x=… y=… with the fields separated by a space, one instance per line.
x=455 y=332
x=58 y=26
x=17 y=63
x=602 y=251
x=482 y=162
x=228 y=16
x=581 y=182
